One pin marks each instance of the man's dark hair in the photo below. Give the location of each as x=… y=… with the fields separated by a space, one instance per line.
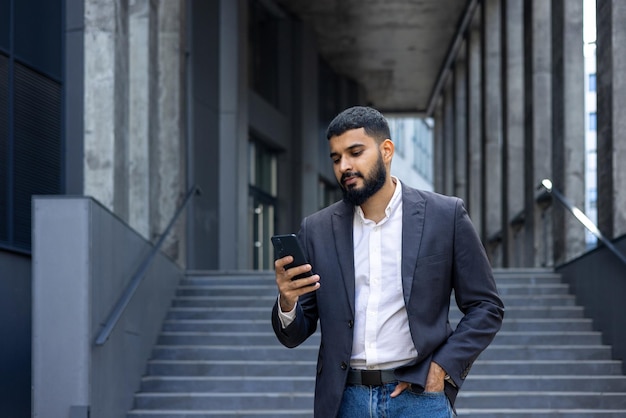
x=371 y=120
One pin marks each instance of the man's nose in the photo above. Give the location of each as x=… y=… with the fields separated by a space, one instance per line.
x=345 y=165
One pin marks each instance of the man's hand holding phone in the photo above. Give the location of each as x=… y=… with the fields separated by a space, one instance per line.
x=294 y=275
x=291 y=289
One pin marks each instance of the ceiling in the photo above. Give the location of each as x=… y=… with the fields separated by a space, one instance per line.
x=396 y=49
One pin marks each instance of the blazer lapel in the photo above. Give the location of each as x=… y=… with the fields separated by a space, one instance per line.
x=413 y=209
x=342 y=228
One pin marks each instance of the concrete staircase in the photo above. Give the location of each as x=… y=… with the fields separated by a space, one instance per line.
x=217 y=356
x=546 y=361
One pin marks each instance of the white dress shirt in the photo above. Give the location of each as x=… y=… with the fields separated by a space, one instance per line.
x=382 y=339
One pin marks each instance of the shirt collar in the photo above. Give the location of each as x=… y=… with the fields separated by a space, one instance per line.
x=394 y=203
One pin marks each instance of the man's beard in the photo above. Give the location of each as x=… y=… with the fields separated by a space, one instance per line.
x=374 y=182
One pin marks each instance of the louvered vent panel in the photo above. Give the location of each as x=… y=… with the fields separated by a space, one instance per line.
x=37 y=145
x=4 y=144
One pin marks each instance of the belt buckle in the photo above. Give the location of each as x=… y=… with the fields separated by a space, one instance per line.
x=371 y=378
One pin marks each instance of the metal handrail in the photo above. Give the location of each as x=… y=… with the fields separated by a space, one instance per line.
x=137 y=278
x=582 y=218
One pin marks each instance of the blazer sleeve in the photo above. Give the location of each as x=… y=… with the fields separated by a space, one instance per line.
x=305 y=322
x=477 y=298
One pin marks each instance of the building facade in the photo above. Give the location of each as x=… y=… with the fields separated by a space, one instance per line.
x=135 y=102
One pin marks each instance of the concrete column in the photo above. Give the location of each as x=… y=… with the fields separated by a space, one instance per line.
x=167 y=149
x=492 y=128
x=106 y=103
x=568 y=126
x=203 y=86
x=449 y=124
x=142 y=107
x=513 y=132
x=538 y=98
x=307 y=122
x=611 y=122
x=233 y=137
x=460 y=126
x=475 y=131
x=438 y=148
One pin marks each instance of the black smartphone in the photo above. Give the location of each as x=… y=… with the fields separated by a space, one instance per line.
x=288 y=244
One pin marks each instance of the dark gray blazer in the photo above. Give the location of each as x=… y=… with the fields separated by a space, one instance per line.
x=441 y=252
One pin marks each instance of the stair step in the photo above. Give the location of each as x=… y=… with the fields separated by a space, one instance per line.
x=260 y=325
x=255 y=413
x=547 y=367
x=225 y=400
x=546 y=383
x=518 y=289
x=197 y=368
x=528 y=338
x=229 y=352
x=554 y=324
x=264 y=302
x=548 y=338
x=309 y=350
x=242 y=313
x=533 y=399
x=528 y=312
x=231 y=383
x=546 y=352
x=539 y=413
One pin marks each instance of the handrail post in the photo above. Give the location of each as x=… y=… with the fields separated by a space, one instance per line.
x=137 y=278
x=582 y=218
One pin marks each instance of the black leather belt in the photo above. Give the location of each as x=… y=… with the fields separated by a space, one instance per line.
x=370 y=377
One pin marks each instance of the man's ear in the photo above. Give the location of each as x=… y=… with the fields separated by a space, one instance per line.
x=387 y=148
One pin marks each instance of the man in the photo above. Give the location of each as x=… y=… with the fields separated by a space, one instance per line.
x=386 y=259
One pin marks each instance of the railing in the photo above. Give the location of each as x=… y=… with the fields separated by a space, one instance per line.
x=137 y=278
x=582 y=218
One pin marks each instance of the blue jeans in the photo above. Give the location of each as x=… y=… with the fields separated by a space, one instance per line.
x=375 y=402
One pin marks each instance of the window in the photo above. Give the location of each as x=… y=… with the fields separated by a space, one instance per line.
x=262 y=203
x=592 y=193
x=399 y=132
x=263 y=36
x=592 y=82
x=592 y=122
x=328 y=193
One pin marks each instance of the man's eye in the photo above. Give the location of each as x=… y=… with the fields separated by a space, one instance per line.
x=357 y=153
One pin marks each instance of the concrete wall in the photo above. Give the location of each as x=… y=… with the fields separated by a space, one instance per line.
x=15 y=328
x=128 y=128
x=83 y=257
x=598 y=279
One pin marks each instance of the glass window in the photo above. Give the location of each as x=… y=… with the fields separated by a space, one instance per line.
x=592 y=82
x=592 y=121
x=262 y=203
x=263 y=40
x=328 y=194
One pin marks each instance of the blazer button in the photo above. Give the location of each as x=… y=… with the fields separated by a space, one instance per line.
x=343 y=366
x=350 y=323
